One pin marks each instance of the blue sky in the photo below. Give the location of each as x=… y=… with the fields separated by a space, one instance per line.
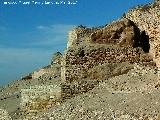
x=30 y=34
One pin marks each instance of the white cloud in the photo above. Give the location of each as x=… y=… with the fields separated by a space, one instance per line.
x=52 y=35
x=56 y=28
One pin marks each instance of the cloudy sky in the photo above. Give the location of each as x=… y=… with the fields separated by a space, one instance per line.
x=31 y=33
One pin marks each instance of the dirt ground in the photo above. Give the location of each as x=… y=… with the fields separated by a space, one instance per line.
x=131 y=96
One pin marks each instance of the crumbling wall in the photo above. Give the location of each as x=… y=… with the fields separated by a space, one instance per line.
x=122 y=32
x=79 y=35
x=72 y=36
x=38 y=73
x=78 y=65
x=102 y=46
x=71 y=90
x=39 y=97
x=147 y=18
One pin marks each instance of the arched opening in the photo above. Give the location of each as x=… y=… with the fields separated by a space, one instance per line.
x=144 y=42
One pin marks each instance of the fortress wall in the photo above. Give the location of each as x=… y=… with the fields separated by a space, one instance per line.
x=78 y=64
x=71 y=90
x=148 y=19
x=72 y=36
x=97 y=54
x=118 y=42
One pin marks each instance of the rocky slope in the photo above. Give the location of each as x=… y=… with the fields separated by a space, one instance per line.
x=105 y=73
x=131 y=96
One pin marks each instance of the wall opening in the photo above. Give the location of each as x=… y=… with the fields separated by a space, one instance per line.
x=144 y=42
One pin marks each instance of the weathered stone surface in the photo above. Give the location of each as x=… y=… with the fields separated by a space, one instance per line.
x=118 y=42
x=39 y=97
x=4 y=115
x=56 y=59
x=123 y=33
x=148 y=19
x=124 y=97
x=74 y=36
x=38 y=73
x=71 y=90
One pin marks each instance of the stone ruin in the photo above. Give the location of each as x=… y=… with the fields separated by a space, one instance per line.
x=148 y=19
x=92 y=55
x=39 y=97
x=97 y=54
x=35 y=98
x=117 y=43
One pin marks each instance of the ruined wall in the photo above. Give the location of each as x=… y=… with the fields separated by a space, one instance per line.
x=147 y=18
x=72 y=36
x=78 y=66
x=71 y=90
x=78 y=36
x=39 y=97
x=38 y=73
x=102 y=46
x=122 y=32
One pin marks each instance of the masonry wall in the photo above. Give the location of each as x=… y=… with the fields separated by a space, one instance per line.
x=87 y=53
x=79 y=64
x=39 y=97
x=38 y=73
x=148 y=19
x=71 y=90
